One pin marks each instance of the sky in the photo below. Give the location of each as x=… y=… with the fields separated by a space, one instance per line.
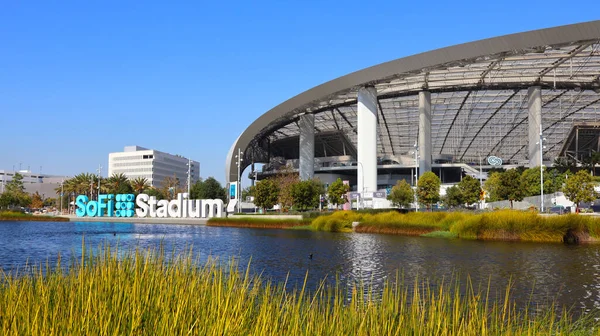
x=81 y=79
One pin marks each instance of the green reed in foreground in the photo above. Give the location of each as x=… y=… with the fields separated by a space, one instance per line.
x=144 y=293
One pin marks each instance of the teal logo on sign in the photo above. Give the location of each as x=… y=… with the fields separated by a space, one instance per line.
x=121 y=205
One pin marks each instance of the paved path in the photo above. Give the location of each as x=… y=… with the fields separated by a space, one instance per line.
x=190 y=221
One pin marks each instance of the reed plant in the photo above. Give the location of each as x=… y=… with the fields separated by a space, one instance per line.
x=144 y=293
x=257 y=222
x=412 y=223
x=339 y=221
x=20 y=217
x=525 y=226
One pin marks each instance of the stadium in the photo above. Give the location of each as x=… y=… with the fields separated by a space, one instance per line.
x=523 y=99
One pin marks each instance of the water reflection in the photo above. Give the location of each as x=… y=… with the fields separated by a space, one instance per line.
x=540 y=272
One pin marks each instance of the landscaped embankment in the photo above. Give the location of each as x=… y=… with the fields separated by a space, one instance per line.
x=21 y=217
x=258 y=222
x=505 y=225
x=108 y=293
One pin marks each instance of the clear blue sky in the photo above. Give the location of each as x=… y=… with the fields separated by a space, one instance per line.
x=80 y=79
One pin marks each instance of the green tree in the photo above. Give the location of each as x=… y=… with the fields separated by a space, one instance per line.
x=118 y=184
x=336 y=191
x=401 y=194
x=208 y=189
x=36 y=201
x=492 y=186
x=139 y=184
x=510 y=186
x=285 y=179
x=306 y=194
x=453 y=197
x=248 y=192
x=530 y=181
x=470 y=189
x=151 y=191
x=266 y=193
x=428 y=189
x=15 y=186
x=553 y=181
x=580 y=188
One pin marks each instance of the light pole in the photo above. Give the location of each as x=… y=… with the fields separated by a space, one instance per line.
x=99 y=170
x=62 y=190
x=360 y=192
x=416 y=176
x=480 y=182
x=189 y=176
x=541 y=143
x=239 y=179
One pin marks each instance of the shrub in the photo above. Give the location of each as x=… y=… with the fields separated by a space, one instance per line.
x=339 y=221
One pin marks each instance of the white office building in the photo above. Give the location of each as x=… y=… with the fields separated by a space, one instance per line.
x=155 y=166
x=44 y=184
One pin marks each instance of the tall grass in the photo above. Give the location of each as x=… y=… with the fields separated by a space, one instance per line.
x=339 y=221
x=270 y=223
x=19 y=216
x=146 y=294
x=412 y=223
x=496 y=225
x=526 y=226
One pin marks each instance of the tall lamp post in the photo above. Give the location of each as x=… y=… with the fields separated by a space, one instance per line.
x=99 y=170
x=61 y=194
x=416 y=176
x=239 y=179
x=189 y=176
x=541 y=143
x=360 y=192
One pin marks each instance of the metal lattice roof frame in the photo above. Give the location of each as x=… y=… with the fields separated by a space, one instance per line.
x=478 y=97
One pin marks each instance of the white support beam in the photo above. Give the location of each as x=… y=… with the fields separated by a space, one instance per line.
x=424 y=132
x=534 y=104
x=367 y=139
x=307 y=147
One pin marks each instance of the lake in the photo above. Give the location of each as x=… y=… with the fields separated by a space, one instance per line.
x=569 y=275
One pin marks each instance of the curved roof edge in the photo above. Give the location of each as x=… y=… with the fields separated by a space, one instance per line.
x=489 y=46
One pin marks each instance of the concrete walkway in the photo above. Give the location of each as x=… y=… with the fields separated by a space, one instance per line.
x=147 y=220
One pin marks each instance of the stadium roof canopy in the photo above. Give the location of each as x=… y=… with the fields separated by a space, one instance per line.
x=478 y=98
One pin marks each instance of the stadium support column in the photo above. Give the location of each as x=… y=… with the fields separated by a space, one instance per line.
x=424 y=132
x=307 y=147
x=367 y=139
x=534 y=103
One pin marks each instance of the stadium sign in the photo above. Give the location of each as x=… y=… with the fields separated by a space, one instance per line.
x=494 y=160
x=124 y=205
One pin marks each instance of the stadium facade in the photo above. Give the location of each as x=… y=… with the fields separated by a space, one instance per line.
x=525 y=98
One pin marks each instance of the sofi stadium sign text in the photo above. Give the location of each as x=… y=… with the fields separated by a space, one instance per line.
x=126 y=205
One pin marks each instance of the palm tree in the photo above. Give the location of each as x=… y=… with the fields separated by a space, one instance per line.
x=139 y=184
x=118 y=184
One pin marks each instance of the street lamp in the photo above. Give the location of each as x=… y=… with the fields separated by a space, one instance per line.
x=239 y=179
x=360 y=192
x=541 y=143
x=189 y=176
x=416 y=176
x=99 y=170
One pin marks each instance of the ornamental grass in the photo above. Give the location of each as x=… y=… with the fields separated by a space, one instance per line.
x=144 y=293
x=262 y=223
x=339 y=221
x=412 y=223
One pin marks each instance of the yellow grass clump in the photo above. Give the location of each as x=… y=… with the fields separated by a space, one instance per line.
x=143 y=293
x=339 y=221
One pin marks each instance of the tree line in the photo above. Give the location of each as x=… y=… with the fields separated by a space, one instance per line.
x=286 y=190
x=512 y=185
x=14 y=194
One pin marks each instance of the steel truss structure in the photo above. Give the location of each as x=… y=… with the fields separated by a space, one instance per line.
x=478 y=98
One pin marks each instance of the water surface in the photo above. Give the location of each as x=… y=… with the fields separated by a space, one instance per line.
x=540 y=272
